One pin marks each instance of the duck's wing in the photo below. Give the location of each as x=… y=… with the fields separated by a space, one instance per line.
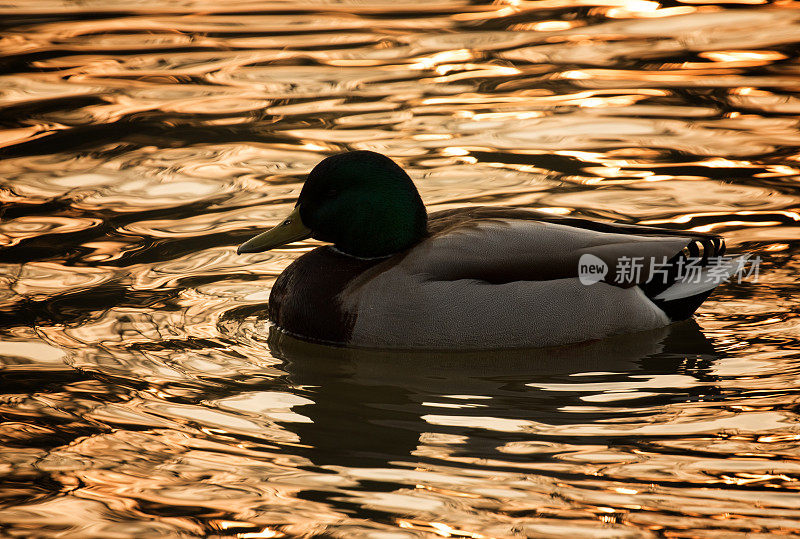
x=496 y=244
x=502 y=245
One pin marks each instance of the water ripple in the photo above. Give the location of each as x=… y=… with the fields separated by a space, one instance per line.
x=143 y=391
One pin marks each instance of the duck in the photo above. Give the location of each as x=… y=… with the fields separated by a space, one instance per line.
x=393 y=276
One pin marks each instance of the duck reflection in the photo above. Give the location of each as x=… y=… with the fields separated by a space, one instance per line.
x=371 y=407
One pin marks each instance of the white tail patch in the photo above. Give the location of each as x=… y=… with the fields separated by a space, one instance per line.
x=706 y=279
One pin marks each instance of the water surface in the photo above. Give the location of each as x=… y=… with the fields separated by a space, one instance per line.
x=143 y=393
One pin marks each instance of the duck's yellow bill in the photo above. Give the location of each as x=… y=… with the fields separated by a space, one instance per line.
x=291 y=229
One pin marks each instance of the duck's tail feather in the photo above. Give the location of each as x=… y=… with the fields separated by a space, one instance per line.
x=682 y=297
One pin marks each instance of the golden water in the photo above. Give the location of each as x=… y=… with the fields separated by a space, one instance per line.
x=142 y=393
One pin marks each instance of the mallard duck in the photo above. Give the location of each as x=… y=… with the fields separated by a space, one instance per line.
x=468 y=278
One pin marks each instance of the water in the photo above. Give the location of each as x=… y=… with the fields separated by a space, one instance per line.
x=142 y=391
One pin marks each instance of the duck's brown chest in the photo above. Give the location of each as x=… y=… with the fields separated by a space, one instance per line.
x=305 y=300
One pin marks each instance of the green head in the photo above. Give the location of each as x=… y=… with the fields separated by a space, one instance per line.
x=362 y=202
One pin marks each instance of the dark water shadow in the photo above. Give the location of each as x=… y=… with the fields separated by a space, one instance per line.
x=371 y=407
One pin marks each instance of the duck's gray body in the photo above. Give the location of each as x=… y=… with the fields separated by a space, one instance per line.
x=486 y=277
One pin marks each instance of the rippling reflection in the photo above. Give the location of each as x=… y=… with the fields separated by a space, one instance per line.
x=143 y=391
x=363 y=395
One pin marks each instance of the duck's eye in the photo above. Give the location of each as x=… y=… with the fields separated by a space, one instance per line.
x=287 y=222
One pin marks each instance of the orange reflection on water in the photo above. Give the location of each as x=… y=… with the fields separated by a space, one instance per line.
x=145 y=395
x=438 y=528
x=636 y=11
x=546 y=26
x=743 y=56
